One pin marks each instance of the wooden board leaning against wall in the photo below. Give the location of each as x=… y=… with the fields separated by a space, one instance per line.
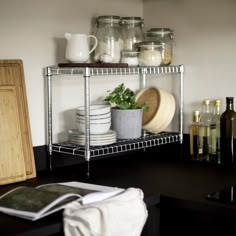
x=17 y=157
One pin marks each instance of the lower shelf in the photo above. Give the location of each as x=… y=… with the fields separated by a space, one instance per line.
x=121 y=146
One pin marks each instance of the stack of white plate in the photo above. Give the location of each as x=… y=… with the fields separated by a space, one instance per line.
x=99 y=119
x=74 y=136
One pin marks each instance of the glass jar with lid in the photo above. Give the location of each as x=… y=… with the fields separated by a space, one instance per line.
x=110 y=42
x=132 y=32
x=165 y=36
x=150 y=53
x=130 y=57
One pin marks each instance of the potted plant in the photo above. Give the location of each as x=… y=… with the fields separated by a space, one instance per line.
x=126 y=114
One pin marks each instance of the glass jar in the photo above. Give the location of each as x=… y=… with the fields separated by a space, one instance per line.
x=150 y=53
x=130 y=57
x=165 y=36
x=132 y=32
x=109 y=38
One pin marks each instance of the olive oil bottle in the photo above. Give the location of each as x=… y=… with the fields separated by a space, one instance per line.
x=228 y=133
x=194 y=135
x=215 y=133
x=204 y=131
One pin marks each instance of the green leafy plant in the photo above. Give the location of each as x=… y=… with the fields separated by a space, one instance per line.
x=123 y=98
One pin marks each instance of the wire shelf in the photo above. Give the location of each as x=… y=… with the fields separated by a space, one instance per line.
x=96 y=152
x=121 y=146
x=55 y=70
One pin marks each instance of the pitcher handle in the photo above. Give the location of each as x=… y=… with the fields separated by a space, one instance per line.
x=95 y=44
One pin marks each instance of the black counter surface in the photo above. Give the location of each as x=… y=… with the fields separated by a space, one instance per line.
x=177 y=189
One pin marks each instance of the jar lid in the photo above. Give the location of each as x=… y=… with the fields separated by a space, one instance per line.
x=154 y=44
x=108 y=19
x=131 y=53
x=131 y=20
x=160 y=31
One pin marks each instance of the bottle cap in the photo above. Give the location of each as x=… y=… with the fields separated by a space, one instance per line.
x=207 y=101
x=196 y=116
x=218 y=102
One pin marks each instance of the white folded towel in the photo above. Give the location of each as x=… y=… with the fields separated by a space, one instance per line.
x=124 y=214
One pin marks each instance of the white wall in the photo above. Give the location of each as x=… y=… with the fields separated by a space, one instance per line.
x=205 y=42
x=33 y=31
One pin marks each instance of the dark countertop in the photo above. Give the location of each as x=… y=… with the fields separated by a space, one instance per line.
x=185 y=182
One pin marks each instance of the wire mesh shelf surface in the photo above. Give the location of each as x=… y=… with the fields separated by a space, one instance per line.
x=97 y=71
x=146 y=141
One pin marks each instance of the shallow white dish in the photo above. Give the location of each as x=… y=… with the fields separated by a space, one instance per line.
x=94 y=117
x=76 y=137
x=95 y=128
x=107 y=135
x=94 y=121
x=96 y=109
x=94 y=143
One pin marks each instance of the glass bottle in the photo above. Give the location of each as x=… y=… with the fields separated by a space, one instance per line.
x=194 y=135
x=215 y=133
x=204 y=131
x=132 y=32
x=228 y=133
x=164 y=36
x=109 y=38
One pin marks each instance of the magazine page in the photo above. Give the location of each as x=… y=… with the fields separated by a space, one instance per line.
x=34 y=203
x=99 y=192
x=63 y=189
x=30 y=203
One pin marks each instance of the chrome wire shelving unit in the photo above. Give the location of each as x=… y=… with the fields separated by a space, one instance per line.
x=90 y=152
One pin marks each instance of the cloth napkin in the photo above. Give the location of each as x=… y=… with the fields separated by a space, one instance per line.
x=122 y=214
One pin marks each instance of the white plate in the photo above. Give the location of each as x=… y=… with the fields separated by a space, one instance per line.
x=93 y=139
x=74 y=136
x=76 y=133
x=94 y=143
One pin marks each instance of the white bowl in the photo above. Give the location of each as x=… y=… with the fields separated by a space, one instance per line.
x=100 y=128
x=94 y=121
x=161 y=108
x=96 y=109
x=94 y=117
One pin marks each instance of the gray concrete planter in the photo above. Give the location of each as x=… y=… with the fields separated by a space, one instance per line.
x=127 y=123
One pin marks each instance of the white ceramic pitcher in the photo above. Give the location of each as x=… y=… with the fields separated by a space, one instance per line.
x=77 y=47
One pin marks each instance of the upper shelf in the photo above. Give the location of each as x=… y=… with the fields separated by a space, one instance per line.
x=101 y=71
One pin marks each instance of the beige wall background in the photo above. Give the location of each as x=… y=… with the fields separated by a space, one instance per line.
x=205 y=42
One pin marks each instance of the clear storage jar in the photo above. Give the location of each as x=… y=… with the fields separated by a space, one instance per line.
x=130 y=57
x=108 y=33
x=165 y=36
x=150 y=53
x=132 y=32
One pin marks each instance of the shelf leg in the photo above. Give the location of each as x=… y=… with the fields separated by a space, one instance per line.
x=87 y=112
x=49 y=114
x=143 y=78
x=143 y=84
x=181 y=102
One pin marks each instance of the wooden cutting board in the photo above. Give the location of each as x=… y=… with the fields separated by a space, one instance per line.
x=17 y=161
x=11 y=145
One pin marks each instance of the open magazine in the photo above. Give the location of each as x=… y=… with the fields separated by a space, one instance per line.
x=34 y=203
